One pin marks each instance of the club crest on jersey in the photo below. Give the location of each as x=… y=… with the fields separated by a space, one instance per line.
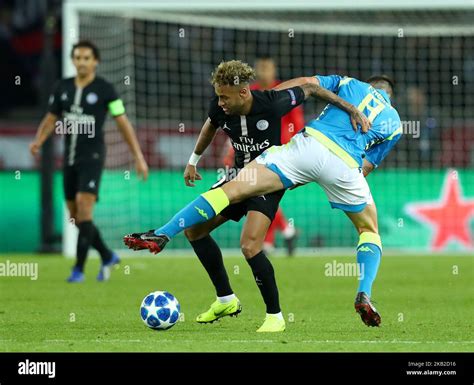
x=91 y=98
x=262 y=125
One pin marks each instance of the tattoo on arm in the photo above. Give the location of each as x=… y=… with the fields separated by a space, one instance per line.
x=330 y=97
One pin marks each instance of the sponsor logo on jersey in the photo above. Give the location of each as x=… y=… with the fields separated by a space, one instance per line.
x=262 y=125
x=251 y=147
x=92 y=98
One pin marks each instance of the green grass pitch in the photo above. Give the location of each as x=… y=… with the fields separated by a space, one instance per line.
x=425 y=303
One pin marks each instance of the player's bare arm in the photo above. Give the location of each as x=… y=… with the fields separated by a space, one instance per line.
x=128 y=133
x=356 y=116
x=45 y=129
x=206 y=136
x=311 y=87
x=367 y=167
x=295 y=82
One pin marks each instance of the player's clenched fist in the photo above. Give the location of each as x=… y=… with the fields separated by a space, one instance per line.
x=191 y=175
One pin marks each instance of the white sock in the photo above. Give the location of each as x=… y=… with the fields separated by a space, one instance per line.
x=289 y=231
x=279 y=315
x=226 y=298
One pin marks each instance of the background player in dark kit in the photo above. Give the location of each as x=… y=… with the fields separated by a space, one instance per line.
x=77 y=109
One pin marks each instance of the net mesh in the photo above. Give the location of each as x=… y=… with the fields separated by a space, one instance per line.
x=161 y=64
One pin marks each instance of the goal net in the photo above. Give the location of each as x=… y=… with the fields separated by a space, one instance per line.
x=160 y=61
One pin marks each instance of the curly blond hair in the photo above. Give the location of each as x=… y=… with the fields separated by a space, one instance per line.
x=232 y=73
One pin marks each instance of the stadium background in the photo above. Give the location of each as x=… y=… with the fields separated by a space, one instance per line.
x=160 y=58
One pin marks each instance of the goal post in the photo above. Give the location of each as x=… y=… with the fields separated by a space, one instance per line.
x=159 y=55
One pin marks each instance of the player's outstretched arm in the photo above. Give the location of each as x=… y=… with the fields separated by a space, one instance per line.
x=297 y=82
x=45 y=129
x=357 y=117
x=128 y=133
x=311 y=87
x=206 y=136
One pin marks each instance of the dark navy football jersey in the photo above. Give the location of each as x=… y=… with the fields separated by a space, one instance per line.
x=252 y=134
x=82 y=113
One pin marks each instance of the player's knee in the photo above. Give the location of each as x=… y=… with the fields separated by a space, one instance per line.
x=238 y=191
x=83 y=216
x=250 y=246
x=367 y=228
x=233 y=192
x=83 y=211
x=194 y=233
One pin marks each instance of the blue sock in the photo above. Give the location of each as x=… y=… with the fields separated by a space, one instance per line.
x=368 y=258
x=200 y=210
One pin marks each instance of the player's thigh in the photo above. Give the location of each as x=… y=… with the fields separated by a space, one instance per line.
x=297 y=162
x=365 y=220
x=254 y=179
x=201 y=230
x=345 y=187
x=89 y=177
x=85 y=203
x=253 y=233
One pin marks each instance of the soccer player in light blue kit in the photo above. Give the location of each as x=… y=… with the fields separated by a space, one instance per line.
x=327 y=151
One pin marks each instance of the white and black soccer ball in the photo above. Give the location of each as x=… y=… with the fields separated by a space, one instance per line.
x=160 y=310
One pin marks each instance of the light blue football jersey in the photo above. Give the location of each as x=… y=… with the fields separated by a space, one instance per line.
x=335 y=124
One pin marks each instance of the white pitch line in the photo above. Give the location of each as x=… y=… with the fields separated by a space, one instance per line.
x=269 y=341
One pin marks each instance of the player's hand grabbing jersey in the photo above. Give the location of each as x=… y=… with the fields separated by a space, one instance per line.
x=82 y=113
x=252 y=134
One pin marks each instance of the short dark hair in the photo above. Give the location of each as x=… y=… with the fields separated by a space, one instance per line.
x=382 y=78
x=86 y=44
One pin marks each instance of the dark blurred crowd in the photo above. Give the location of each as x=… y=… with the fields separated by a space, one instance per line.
x=22 y=40
x=171 y=83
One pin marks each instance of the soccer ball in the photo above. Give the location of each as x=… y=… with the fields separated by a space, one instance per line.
x=160 y=310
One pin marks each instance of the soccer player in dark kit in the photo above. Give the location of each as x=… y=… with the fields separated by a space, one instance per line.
x=77 y=109
x=252 y=120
